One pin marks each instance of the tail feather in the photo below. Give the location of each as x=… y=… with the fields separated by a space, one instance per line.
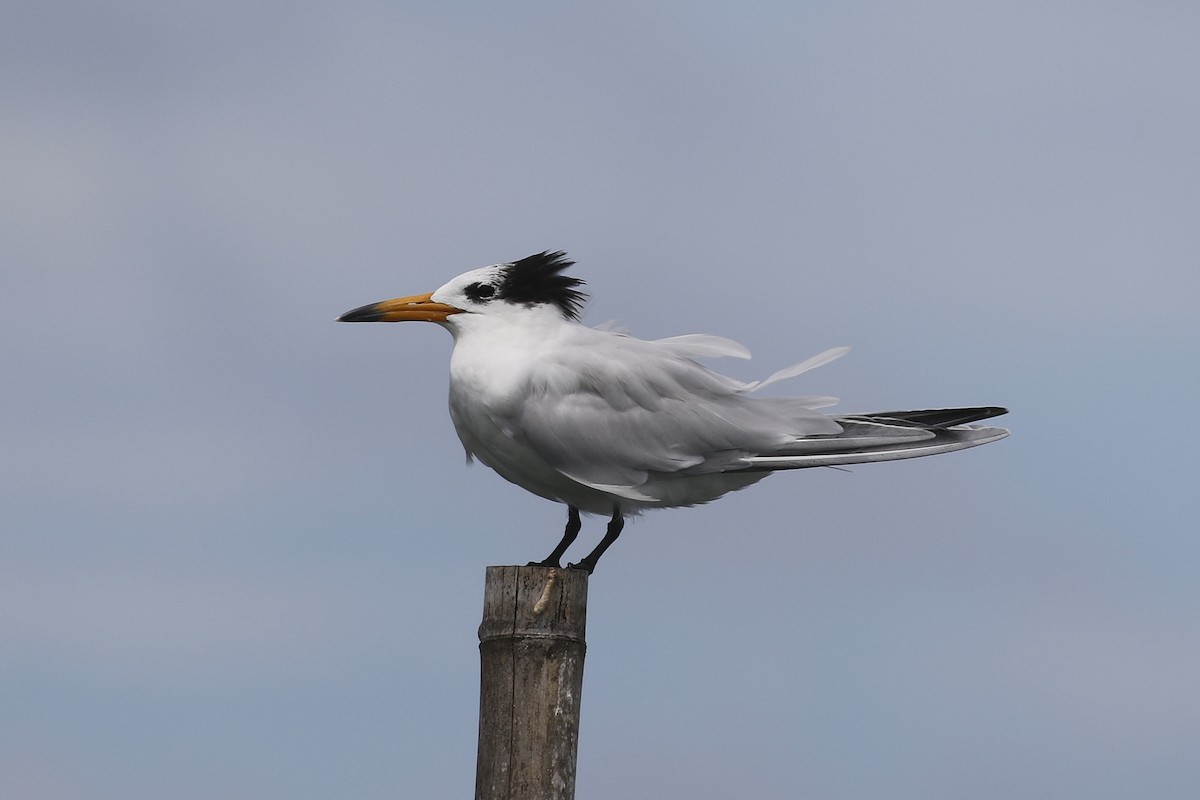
x=887 y=436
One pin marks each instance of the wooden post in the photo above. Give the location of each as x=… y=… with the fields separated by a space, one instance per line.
x=531 y=648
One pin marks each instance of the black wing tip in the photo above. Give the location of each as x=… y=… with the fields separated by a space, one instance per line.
x=936 y=417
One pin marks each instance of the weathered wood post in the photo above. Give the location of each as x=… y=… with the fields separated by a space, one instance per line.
x=531 y=648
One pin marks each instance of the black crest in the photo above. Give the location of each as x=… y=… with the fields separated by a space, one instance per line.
x=535 y=280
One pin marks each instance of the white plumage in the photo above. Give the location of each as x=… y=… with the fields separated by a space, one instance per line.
x=611 y=424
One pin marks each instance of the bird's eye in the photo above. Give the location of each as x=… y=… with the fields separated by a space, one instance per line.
x=480 y=291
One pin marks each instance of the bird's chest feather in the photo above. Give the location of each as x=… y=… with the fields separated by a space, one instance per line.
x=496 y=360
x=490 y=376
x=492 y=380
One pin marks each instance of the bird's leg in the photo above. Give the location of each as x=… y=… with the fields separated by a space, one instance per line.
x=588 y=563
x=573 y=526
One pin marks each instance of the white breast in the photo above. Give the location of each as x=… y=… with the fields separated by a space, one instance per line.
x=491 y=368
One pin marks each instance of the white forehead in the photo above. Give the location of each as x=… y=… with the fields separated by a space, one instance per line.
x=455 y=286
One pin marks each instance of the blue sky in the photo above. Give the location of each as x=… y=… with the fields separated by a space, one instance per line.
x=241 y=553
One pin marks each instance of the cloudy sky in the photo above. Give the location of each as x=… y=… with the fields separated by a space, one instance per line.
x=241 y=556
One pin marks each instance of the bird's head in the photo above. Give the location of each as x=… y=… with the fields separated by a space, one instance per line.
x=534 y=281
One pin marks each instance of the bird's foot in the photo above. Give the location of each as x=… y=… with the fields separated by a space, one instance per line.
x=546 y=562
x=584 y=565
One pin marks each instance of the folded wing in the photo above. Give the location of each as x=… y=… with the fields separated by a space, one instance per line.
x=623 y=422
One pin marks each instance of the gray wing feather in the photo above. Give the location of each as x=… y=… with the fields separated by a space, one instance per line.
x=617 y=422
x=613 y=422
x=943 y=440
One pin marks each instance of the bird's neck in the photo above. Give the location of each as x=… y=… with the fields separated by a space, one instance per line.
x=522 y=328
x=495 y=356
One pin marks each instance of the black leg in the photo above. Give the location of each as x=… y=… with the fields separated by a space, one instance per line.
x=614 y=530
x=573 y=526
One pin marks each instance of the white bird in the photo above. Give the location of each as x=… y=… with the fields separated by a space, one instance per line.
x=610 y=424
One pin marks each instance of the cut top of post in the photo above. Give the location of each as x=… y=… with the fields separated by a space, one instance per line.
x=534 y=602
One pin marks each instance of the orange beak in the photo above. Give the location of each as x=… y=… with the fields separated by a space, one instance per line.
x=418 y=308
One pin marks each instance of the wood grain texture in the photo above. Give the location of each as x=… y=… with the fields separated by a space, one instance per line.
x=531 y=676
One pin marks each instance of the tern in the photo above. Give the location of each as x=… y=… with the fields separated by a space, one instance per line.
x=610 y=424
